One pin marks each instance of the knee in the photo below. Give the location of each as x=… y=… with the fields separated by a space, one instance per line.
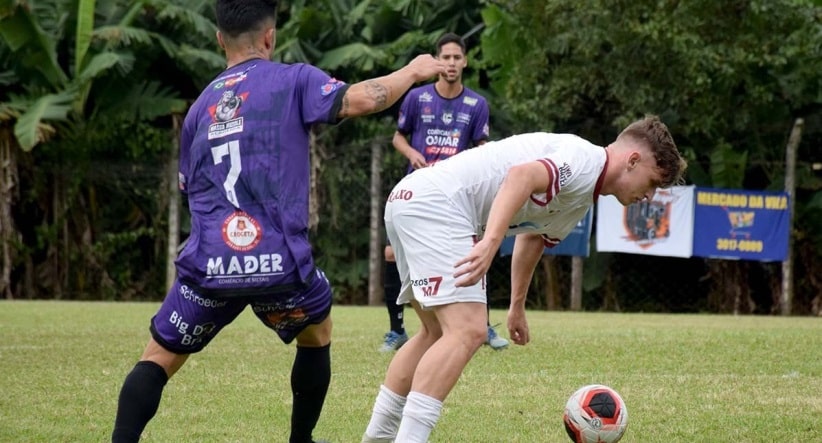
x=476 y=335
x=472 y=335
x=429 y=334
x=316 y=336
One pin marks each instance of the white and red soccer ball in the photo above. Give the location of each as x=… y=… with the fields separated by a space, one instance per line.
x=595 y=414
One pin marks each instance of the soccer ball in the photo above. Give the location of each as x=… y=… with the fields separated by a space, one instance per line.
x=595 y=414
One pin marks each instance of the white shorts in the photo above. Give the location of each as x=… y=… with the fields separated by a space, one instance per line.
x=429 y=235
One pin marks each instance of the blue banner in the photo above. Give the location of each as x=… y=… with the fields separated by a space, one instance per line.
x=577 y=243
x=737 y=224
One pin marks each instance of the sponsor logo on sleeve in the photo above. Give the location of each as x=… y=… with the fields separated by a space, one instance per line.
x=564 y=174
x=330 y=86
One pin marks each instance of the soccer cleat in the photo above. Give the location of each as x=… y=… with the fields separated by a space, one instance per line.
x=394 y=341
x=495 y=341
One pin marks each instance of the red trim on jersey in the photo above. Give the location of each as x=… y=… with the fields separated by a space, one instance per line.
x=553 y=182
x=601 y=178
x=549 y=242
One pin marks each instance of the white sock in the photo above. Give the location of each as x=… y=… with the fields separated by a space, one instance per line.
x=386 y=416
x=418 y=418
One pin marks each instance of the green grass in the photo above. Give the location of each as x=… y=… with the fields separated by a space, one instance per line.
x=685 y=378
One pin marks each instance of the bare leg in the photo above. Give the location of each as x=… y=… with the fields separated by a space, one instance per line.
x=463 y=332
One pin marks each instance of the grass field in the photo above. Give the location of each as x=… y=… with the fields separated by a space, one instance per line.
x=685 y=378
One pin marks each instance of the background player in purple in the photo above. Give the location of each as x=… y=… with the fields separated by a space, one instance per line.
x=244 y=169
x=440 y=119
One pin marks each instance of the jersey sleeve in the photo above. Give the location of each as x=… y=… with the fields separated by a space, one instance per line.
x=321 y=95
x=408 y=114
x=186 y=138
x=481 y=129
x=570 y=172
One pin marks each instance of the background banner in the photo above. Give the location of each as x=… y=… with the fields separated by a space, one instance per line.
x=577 y=243
x=737 y=224
x=662 y=226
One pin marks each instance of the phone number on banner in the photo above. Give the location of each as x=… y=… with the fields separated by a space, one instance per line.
x=732 y=244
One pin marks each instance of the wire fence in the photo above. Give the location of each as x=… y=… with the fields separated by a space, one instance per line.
x=113 y=233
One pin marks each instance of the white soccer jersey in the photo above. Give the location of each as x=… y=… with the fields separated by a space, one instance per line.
x=575 y=165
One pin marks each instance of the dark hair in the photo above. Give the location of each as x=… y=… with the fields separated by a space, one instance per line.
x=235 y=17
x=655 y=135
x=450 y=37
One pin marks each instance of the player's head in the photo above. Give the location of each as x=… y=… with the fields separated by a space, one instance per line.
x=451 y=50
x=651 y=132
x=645 y=158
x=244 y=22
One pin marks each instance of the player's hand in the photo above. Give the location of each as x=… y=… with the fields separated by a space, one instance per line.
x=425 y=66
x=474 y=266
x=417 y=160
x=518 y=326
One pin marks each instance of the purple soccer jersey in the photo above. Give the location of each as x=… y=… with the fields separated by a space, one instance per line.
x=441 y=127
x=244 y=166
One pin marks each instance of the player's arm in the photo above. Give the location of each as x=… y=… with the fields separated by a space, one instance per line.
x=402 y=146
x=527 y=251
x=374 y=95
x=522 y=181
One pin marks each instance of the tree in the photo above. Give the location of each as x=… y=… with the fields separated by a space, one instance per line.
x=728 y=78
x=80 y=78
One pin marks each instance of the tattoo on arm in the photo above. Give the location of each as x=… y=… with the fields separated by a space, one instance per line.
x=378 y=93
x=346 y=105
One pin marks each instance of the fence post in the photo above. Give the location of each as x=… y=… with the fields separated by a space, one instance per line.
x=375 y=256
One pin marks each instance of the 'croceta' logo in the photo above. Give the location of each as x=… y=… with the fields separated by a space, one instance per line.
x=241 y=232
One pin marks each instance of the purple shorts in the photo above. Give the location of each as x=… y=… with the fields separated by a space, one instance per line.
x=186 y=321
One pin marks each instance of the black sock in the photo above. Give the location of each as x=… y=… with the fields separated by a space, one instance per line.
x=138 y=402
x=310 y=377
x=392 y=286
x=395 y=313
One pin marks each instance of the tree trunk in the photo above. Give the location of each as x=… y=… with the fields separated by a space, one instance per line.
x=173 y=204
x=610 y=301
x=549 y=269
x=375 y=255
x=316 y=159
x=786 y=302
x=576 y=282
x=8 y=190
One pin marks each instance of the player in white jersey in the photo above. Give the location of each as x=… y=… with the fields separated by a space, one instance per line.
x=446 y=224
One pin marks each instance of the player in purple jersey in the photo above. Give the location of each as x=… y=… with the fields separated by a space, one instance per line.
x=440 y=119
x=244 y=169
x=534 y=186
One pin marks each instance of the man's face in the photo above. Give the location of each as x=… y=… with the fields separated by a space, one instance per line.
x=640 y=179
x=451 y=54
